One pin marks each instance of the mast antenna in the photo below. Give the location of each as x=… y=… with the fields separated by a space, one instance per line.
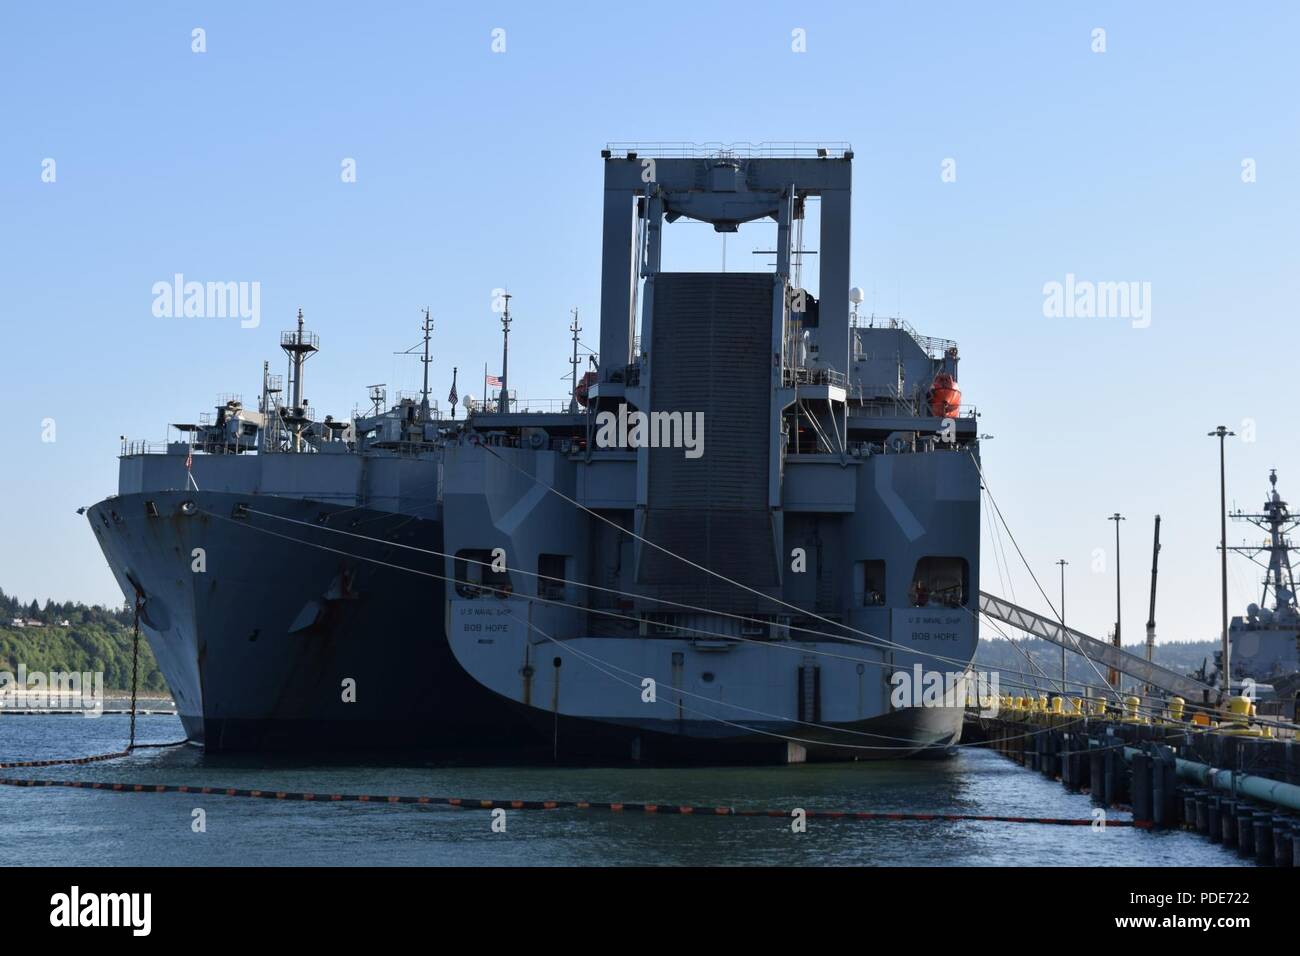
x=504 y=404
x=425 y=360
x=575 y=328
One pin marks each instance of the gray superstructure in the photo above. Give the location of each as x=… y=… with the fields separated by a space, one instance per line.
x=759 y=512
x=1264 y=643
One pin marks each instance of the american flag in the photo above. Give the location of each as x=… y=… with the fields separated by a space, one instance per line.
x=452 y=397
x=493 y=380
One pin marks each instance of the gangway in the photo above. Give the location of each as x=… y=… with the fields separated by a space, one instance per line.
x=1103 y=653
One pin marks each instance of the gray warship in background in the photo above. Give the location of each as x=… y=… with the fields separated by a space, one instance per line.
x=1264 y=645
x=525 y=584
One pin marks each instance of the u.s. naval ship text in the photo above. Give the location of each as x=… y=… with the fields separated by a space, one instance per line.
x=753 y=522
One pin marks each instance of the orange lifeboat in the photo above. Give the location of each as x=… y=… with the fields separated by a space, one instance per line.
x=945 y=396
x=580 y=392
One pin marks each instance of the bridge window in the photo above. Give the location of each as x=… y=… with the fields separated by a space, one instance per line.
x=475 y=577
x=873 y=583
x=940 y=582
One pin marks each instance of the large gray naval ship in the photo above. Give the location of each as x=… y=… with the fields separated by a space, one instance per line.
x=1264 y=644
x=754 y=522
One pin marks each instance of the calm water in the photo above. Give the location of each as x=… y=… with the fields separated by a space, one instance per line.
x=74 y=827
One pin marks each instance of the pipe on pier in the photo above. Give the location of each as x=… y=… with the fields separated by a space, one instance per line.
x=1257 y=788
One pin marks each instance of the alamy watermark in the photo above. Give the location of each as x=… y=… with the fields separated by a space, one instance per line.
x=1085 y=299
x=53 y=690
x=179 y=299
x=921 y=688
x=637 y=429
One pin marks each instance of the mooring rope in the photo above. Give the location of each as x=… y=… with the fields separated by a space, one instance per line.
x=135 y=665
x=65 y=760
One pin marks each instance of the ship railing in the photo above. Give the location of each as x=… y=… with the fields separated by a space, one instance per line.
x=527 y=406
x=892 y=407
x=132 y=447
x=303 y=337
x=718 y=150
x=813 y=376
x=933 y=346
x=404 y=449
x=626 y=374
x=242 y=446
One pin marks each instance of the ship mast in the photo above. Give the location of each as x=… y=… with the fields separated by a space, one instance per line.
x=298 y=346
x=1277 y=521
x=425 y=360
x=504 y=404
x=575 y=328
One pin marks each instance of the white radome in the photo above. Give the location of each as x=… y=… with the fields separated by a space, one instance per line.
x=856 y=295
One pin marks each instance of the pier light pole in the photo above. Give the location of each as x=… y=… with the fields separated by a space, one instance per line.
x=1225 y=668
x=1114 y=673
x=1062 y=562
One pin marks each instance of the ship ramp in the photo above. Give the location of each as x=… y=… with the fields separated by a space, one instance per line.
x=1102 y=652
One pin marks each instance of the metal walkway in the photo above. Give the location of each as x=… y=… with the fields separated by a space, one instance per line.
x=1103 y=653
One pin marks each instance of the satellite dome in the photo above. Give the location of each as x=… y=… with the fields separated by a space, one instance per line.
x=856 y=295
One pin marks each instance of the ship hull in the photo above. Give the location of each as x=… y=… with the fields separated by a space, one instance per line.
x=287 y=625
x=291 y=637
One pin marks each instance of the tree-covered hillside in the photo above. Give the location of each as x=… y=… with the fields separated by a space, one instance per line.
x=93 y=639
x=1184 y=657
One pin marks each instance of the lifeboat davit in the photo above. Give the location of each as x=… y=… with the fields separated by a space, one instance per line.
x=580 y=391
x=945 y=396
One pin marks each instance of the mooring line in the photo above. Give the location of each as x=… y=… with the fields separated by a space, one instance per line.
x=66 y=760
x=94 y=758
x=465 y=803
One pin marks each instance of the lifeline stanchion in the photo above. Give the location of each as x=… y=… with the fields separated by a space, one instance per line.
x=663 y=809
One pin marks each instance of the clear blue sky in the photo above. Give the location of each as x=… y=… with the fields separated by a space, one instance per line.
x=477 y=170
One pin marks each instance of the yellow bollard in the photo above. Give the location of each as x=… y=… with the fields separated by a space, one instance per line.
x=1240 y=710
x=1176 y=705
